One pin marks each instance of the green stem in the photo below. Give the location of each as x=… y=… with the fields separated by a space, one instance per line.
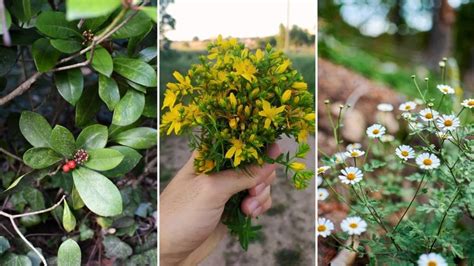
x=411 y=202
x=440 y=228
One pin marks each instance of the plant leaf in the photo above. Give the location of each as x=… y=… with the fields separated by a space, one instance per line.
x=99 y=194
x=39 y=158
x=129 y=109
x=70 y=84
x=69 y=254
x=44 y=55
x=35 y=128
x=138 y=138
x=92 y=137
x=136 y=71
x=130 y=160
x=103 y=159
x=7 y=60
x=55 y=25
x=62 y=141
x=109 y=91
x=69 y=221
x=76 y=9
x=138 y=25
x=66 y=46
x=151 y=12
x=116 y=248
x=102 y=61
x=4 y=245
x=87 y=107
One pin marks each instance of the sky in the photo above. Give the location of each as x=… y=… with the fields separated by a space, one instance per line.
x=238 y=18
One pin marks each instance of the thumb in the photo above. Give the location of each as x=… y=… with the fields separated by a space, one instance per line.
x=236 y=180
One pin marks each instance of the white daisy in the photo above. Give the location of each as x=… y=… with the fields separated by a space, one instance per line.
x=323 y=169
x=322 y=194
x=468 y=103
x=340 y=157
x=407 y=106
x=448 y=122
x=354 y=153
x=353 y=146
x=407 y=116
x=444 y=135
x=387 y=138
x=375 y=131
x=324 y=227
x=432 y=259
x=416 y=126
x=405 y=152
x=427 y=161
x=354 y=225
x=351 y=175
x=385 y=107
x=445 y=89
x=428 y=114
x=319 y=180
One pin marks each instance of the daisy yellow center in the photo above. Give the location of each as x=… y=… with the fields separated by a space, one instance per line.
x=429 y=116
x=445 y=89
x=375 y=131
x=321 y=228
x=470 y=103
x=354 y=153
x=432 y=263
x=407 y=107
x=353 y=225
x=405 y=153
x=427 y=161
x=448 y=123
x=351 y=176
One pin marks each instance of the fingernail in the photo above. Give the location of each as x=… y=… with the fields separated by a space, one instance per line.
x=253 y=206
x=257 y=212
x=259 y=188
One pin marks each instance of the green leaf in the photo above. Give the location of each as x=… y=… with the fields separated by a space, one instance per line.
x=151 y=12
x=35 y=128
x=44 y=55
x=99 y=194
x=136 y=86
x=103 y=159
x=116 y=248
x=4 y=245
x=136 y=71
x=77 y=202
x=39 y=158
x=34 y=197
x=139 y=24
x=12 y=259
x=102 y=61
x=66 y=46
x=69 y=221
x=129 y=109
x=55 y=25
x=147 y=54
x=92 y=137
x=70 y=84
x=87 y=107
x=69 y=254
x=94 y=24
x=8 y=19
x=151 y=109
x=76 y=9
x=21 y=9
x=7 y=60
x=138 y=138
x=109 y=92
x=130 y=160
x=62 y=141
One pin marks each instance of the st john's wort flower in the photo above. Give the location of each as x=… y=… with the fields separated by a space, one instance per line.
x=405 y=152
x=428 y=114
x=427 y=161
x=324 y=227
x=351 y=175
x=468 y=103
x=322 y=194
x=375 y=131
x=448 y=122
x=432 y=259
x=354 y=225
x=445 y=89
x=385 y=107
x=407 y=106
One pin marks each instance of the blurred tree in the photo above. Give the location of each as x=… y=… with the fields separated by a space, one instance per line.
x=281 y=36
x=441 y=35
x=167 y=23
x=464 y=43
x=300 y=37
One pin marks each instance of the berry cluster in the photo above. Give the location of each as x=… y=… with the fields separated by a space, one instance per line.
x=69 y=165
x=88 y=37
x=80 y=157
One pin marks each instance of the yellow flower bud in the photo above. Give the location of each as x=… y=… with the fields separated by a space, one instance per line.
x=233 y=123
x=310 y=117
x=297 y=166
x=233 y=100
x=300 y=86
x=286 y=96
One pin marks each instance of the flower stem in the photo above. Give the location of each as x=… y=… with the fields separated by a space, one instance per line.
x=411 y=202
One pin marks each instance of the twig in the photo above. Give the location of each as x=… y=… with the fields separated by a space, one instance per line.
x=411 y=202
x=10 y=154
x=17 y=230
x=7 y=41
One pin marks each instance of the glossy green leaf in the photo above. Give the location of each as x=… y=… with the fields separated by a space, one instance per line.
x=70 y=84
x=87 y=107
x=12 y=259
x=4 y=245
x=92 y=137
x=136 y=71
x=103 y=159
x=151 y=109
x=55 y=25
x=44 y=55
x=94 y=24
x=139 y=24
x=102 y=61
x=69 y=221
x=7 y=59
x=136 y=86
x=77 y=202
x=8 y=19
x=66 y=46
x=151 y=12
x=138 y=138
x=130 y=160
x=99 y=194
x=129 y=109
x=109 y=92
x=147 y=54
x=34 y=197
x=62 y=141
x=38 y=158
x=116 y=248
x=35 y=128
x=76 y=9
x=69 y=254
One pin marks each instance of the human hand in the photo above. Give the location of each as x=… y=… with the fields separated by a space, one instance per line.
x=191 y=208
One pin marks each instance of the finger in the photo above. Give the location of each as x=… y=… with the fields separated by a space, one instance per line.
x=188 y=169
x=259 y=188
x=266 y=206
x=251 y=205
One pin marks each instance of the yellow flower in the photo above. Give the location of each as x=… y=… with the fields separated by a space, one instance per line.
x=297 y=166
x=300 y=85
x=286 y=96
x=310 y=117
x=259 y=55
x=302 y=135
x=270 y=112
x=235 y=151
x=174 y=117
x=232 y=100
x=281 y=68
x=233 y=123
x=170 y=99
x=246 y=69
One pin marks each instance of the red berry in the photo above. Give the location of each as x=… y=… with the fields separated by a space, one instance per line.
x=66 y=168
x=71 y=164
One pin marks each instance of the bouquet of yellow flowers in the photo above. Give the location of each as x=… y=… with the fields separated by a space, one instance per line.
x=232 y=106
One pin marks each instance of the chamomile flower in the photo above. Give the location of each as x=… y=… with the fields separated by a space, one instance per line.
x=432 y=259
x=319 y=180
x=387 y=138
x=323 y=169
x=407 y=116
x=445 y=89
x=350 y=175
x=385 y=107
x=405 y=152
x=340 y=157
x=353 y=146
x=375 y=131
x=322 y=194
x=428 y=114
x=354 y=153
x=427 y=161
x=354 y=225
x=448 y=122
x=407 y=106
x=324 y=227
x=468 y=103
x=444 y=135
x=416 y=126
